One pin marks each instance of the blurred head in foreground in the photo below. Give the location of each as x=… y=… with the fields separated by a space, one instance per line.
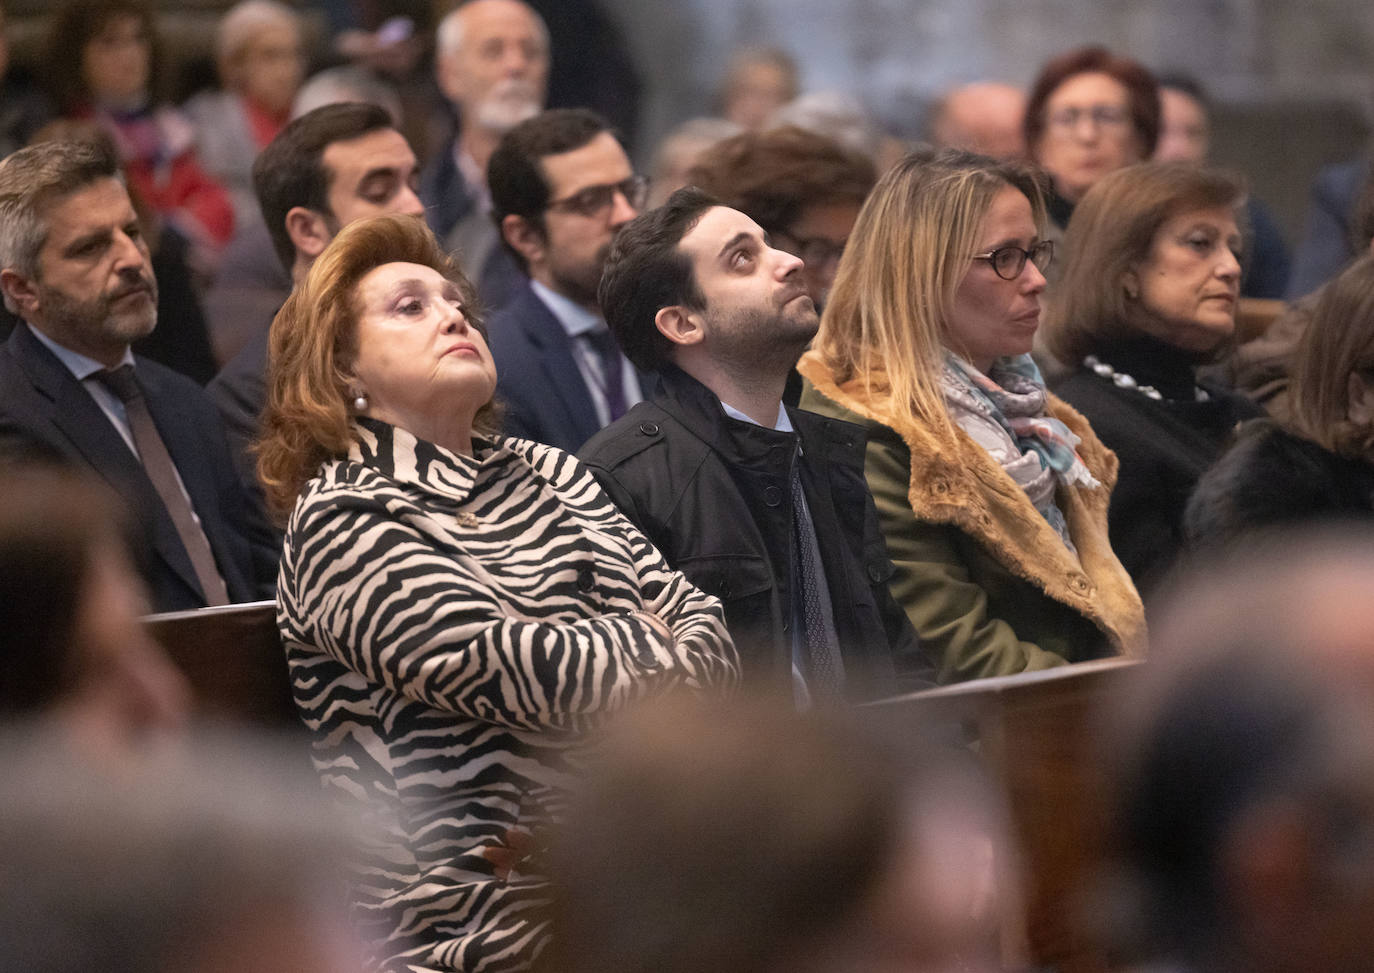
x=71 y=644
x=749 y=838
x=212 y=858
x=1244 y=766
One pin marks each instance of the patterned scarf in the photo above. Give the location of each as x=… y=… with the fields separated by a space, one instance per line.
x=1004 y=412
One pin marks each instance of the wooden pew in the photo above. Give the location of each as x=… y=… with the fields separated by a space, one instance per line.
x=1035 y=734
x=234 y=660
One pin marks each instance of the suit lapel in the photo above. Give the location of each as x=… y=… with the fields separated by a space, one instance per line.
x=82 y=423
x=558 y=362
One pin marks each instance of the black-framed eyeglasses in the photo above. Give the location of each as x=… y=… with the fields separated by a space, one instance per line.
x=1008 y=262
x=595 y=200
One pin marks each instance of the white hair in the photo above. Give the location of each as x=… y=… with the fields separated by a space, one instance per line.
x=244 y=20
x=449 y=36
x=346 y=83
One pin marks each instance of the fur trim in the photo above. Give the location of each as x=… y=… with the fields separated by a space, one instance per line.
x=958 y=483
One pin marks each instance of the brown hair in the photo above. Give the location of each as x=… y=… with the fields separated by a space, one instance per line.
x=908 y=252
x=772 y=176
x=1111 y=232
x=313 y=342
x=72 y=30
x=1141 y=89
x=1338 y=343
x=52 y=523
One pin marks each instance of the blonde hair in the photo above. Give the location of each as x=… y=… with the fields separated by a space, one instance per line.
x=313 y=343
x=906 y=257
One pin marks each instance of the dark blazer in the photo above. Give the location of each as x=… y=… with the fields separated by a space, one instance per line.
x=537 y=380
x=711 y=493
x=42 y=403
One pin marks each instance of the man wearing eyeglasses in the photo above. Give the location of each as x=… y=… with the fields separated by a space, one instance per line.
x=561 y=189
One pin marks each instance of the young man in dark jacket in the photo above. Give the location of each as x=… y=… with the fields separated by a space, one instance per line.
x=764 y=506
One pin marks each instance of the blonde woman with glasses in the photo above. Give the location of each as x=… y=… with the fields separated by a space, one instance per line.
x=992 y=493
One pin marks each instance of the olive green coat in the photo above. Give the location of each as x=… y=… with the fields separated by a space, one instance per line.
x=987 y=583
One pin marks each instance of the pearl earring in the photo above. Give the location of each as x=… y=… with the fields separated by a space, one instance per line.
x=360 y=402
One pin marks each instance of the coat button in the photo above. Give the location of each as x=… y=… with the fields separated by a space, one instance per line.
x=772 y=496
x=875 y=573
x=586 y=581
x=776 y=455
x=648 y=428
x=725 y=588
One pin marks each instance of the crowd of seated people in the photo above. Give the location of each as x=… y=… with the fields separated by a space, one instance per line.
x=524 y=448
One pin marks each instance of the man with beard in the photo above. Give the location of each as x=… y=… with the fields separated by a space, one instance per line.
x=561 y=189
x=75 y=268
x=492 y=65
x=762 y=505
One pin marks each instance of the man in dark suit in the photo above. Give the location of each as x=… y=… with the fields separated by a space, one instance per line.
x=76 y=270
x=561 y=188
x=491 y=62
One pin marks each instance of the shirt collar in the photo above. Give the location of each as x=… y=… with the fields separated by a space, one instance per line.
x=575 y=319
x=75 y=362
x=782 y=424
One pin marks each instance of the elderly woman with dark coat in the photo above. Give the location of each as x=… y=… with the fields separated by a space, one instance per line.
x=1148 y=294
x=1320 y=464
x=455 y=606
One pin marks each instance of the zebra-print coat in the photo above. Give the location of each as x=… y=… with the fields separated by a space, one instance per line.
x=451 y=623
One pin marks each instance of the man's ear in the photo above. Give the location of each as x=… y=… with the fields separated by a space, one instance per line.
x=21 y=293
x=308 y=230
x=1130 y=283
x=1359 y=395
x=679 y=325
x=526 y=237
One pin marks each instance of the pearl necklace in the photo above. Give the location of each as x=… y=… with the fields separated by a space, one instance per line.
x=1124 y=381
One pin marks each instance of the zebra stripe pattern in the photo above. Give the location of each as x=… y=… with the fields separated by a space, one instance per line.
x=451 y=625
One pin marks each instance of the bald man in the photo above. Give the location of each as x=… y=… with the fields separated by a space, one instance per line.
x=983 y=117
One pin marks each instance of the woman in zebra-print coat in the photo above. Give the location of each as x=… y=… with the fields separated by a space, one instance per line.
x=456 y=607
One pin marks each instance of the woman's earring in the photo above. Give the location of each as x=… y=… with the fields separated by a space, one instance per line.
x=360 y=402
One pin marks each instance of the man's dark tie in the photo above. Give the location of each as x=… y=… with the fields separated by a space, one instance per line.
x=157 y=463
x=612 y=370
x=826 y=673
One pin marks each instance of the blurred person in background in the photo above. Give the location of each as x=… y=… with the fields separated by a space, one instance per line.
x=456 y=606
x=1147 y=294
x=804 y=189
x=74 y=653
x=1185 y=135
x=757 y=82
x=992 y=494
x=1240 y=763
x=24 y=108
x=752 y=839
x=1319 y=465
x=679 y=151
x=104 y=60
x=261 y=62
x=492 y=65
x=1090 y=112
x=215 y=856
x=987 y=117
